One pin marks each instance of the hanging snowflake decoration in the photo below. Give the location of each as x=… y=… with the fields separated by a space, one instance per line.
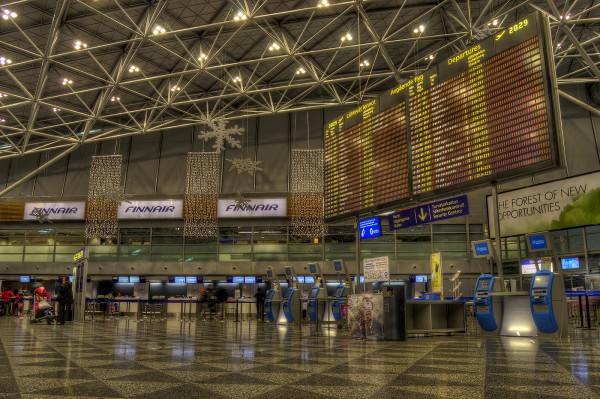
x=40 y=215
x=222 y=134
x=241 y=201
x=242 y=165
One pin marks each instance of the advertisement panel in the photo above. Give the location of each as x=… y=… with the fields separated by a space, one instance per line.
x=159 y=209
x=255 y=208
x=376 y=269
x=556 y=205
x=54 y=210
x=436 y=273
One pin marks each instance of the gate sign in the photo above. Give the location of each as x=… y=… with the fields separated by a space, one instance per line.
x=377 y=269
x=369 y=228
x=428 y=213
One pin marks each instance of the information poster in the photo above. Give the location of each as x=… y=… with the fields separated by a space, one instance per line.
x=377 y=269
x=436 y=273
x=365 y=316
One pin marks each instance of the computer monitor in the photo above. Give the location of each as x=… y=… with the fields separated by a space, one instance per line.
x=313 y=268
x=338 y=266
x=191 y=280
x=270 y=273
x=528 y=266
x=541 y=281
x=484 y=284
x=238 y=279
x=301 y=279
x=482 y=249
x=171 y=279
x=123 y=279
x=250 y=280
x=538 y=242
x=421 y=279
x=569 y=263
x=24 y=279
x=289 y=272
x=309 y=279
x=134 y=279
x=229 y=279
x=180 y=279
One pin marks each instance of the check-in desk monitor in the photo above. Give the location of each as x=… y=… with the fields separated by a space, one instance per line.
x=487 y=308
x=545 y=297
x=290 y=305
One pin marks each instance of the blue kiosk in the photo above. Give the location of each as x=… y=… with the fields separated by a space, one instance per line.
x=272 y=297
x=341 y=290
x=317 y=296
x=291 y=301
x=488 y=308
x=548 y=303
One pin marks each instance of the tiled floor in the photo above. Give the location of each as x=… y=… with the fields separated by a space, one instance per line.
x=162 y=360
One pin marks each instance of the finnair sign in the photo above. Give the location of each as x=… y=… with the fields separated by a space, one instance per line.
x=254 y=208
x=54 y=211
x=163 y=209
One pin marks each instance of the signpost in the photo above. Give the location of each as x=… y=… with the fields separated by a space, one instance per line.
x=428 y=213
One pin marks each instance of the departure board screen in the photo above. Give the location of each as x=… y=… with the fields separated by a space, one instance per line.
x=480 y=115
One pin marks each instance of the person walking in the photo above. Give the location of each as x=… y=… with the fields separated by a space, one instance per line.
x=64 y=299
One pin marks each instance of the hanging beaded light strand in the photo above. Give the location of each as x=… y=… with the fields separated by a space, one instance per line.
x=305 y=204
x=102 y=203
x=202 y=185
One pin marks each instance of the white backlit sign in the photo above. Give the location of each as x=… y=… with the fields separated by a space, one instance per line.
x=159 y=209
x=54 y=210
x=256 y=208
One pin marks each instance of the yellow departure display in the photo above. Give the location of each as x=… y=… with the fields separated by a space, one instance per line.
x=484 y=114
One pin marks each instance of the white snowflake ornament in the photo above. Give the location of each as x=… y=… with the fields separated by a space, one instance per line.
x=241 y=201
x=242 y=165
x=222 y=134
x=40 y=215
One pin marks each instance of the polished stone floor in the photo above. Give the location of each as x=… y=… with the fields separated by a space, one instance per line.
x=162 y=360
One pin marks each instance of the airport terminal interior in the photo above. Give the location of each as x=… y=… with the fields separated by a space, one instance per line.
x=299 y=199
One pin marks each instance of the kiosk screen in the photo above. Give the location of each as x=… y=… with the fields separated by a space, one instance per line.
x=337 y=265
x=269 y=273
x=312 y=268
x=484 y=284
x=288 y=272
x=528 y=266
x=541 y=281
x=569 y=263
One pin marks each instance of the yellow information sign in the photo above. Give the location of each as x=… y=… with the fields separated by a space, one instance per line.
x=436 y=273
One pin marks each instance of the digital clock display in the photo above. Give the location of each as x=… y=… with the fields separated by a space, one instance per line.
x=484 y=114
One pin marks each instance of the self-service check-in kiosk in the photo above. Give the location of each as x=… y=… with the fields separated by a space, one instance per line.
x=488 y=308
x=341 y=290
x=291 y=301
x=548 y=303
x=317 y=296
x=272 y=297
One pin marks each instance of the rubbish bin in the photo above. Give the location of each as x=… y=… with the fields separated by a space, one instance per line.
x=394 y=313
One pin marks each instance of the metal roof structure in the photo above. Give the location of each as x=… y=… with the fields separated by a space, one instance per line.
x=78 y=71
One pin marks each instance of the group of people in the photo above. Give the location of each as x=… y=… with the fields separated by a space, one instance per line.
x=13 y=301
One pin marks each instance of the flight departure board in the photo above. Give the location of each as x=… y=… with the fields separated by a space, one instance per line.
x=483 y=114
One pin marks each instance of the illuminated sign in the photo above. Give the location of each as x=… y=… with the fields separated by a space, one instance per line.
x=369 y=228
x=79 y=256
x=54 y=210
x=159 y=209
x=457 y=124
x=255 y=208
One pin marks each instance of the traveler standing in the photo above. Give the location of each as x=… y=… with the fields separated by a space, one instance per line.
x=64 y=299
x=260 y=304
x=7 y=301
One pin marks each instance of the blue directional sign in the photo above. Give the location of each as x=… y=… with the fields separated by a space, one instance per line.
x=440 y=210
x=369 y=228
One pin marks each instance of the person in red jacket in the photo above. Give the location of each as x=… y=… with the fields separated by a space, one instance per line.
x=7 y=301
x=40 y=294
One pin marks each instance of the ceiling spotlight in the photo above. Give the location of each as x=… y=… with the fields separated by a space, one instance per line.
x=2 y=120
x=158 y=30
x=237 y=79
x=431 y=57
x=347 y=36
x=240 y=16
x=3 y=95
x=421 y=28
x=275 y=46
x=8 y=14
x=115 y=98
x=79 y=45
x=66 y=81
x=202 y=57
x=133 y=68
x=323 y=3
x=54 y=109
x=568 y=16
x=175 y=88
x=5 y=61
x=495 y=22
x=364 y=63
x=300 y=71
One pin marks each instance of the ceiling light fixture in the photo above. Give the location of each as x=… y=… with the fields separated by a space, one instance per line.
x=115 y=98
x=2 y=120
x=79 y=45
x=133 y=68
x=8 y=14
x=430 y=58
x=54 y=109
x=175 y=88
x=419 y=29
x=3 y=95
x=275 y=46
x=347 y=36
x=240 y=16
x=237 y=79
x=202 y=57
x=66 y=81
x=323 y=3
x=300 y=71
x=158 y=30
x=5 y=61
x=364 y=63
